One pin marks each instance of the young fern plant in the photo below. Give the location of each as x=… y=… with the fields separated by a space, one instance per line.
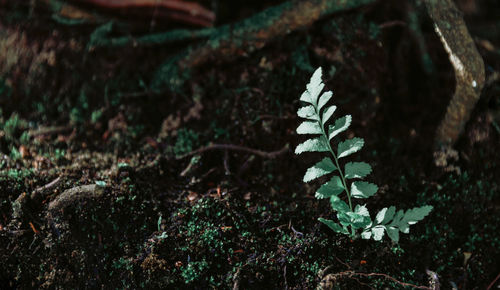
x=352 y=219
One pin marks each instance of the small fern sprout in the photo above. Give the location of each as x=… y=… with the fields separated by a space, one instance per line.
x=352 y=218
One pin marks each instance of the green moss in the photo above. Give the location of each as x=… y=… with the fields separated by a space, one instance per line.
x=193 y=271
x=457 y=225
x=187 y=140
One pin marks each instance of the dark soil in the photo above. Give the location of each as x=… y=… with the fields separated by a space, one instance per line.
x=229 y=219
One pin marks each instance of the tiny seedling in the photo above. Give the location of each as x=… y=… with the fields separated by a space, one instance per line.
x=351 y=220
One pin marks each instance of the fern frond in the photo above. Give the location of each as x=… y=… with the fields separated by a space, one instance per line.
x=325 y=166
x=317 y=114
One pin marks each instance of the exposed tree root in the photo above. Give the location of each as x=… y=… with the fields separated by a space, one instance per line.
x=328 y=282
x=76 y=12
x=253 y=33
x=74 y=195
x=467 y=64
x=180 y=11
x=232 y=147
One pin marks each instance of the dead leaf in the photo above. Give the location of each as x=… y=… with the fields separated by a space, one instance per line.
x=192 y=196
x=169 y=126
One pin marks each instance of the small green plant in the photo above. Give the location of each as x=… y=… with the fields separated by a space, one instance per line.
x=350 y=218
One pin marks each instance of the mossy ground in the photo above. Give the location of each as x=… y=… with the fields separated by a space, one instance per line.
x=231 y=218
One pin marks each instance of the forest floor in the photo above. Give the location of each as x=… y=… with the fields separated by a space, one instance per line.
x=155 y=216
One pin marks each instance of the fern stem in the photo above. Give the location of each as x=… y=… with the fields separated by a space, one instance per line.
x=344 y=183
x=341 y=174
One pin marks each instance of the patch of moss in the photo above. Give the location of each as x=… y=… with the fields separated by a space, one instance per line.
x=465 y=223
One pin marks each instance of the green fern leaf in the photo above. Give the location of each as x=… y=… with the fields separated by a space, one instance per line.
x=325 y=97
x=331 y=188
x=334 y=226
x=363 y=189
x=350 y=146
x=344 y=219
x=340 y=126
x=309 y=127
x=404 y=228
x=393 y=233
x=306 y=97
x=312 y=145
x=358 y=221
x=325 y=166
x=362 y=210
x=391 y=211
x=308 y=112
x=338 y=204
x=360 y=217
x=412 y=216
x=378 y=232
x=357 y=169
x=366 y=234
x=397 y=218
x=385 y=215
x=327 y=114
x=315 y=86
x=380 y=216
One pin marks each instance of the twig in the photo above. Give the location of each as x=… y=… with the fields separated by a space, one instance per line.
x=43 y=131
x=37 y=192
x=363 y=284
x=350 y=274
x=236 y=280
x=226 y=163
x=343 y=263
x=260 y=153
x=48 y=185
x=392 y=23
x=493 y=282
x=297 y=233
x=191 y=165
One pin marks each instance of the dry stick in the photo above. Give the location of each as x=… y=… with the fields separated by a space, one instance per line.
x=493 y=282
x=352 y=273
x=48 y=185
x=467 y=64
x=38 y=192
x=260 y=153
x=43 y=131
x=236 y=280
